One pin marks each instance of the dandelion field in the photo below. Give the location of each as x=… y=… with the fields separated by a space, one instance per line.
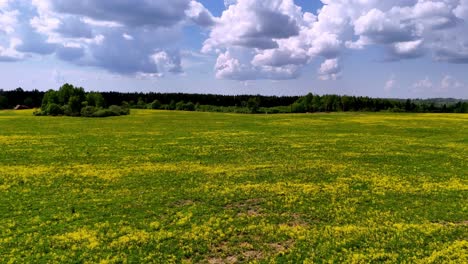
x=188 y=187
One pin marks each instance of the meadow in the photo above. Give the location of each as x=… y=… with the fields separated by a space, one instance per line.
x=190 y=187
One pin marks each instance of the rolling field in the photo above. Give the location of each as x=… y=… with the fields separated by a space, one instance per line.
x=172 y=187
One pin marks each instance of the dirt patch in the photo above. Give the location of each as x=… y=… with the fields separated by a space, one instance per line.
x=228 y=260
x=282 y=246
x=253 y=255
x=250 y=207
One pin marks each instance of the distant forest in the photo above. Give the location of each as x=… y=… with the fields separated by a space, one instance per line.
x=250 y=103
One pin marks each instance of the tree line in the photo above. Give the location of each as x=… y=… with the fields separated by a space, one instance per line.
x=74 y=101
x=223 y=103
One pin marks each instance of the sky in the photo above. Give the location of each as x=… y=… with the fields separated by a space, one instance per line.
x=391 y=49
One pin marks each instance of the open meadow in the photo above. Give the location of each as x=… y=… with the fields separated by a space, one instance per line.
x=172 y=187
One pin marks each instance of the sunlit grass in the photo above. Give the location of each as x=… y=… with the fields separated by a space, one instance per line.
x=166 y=187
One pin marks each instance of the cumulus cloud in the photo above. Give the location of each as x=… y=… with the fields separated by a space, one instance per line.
x=10 y=53
x=259 y=40
x=269 y=39
x=278 y=34
x=230 y=65
x=408 y=49
x=8 y=19
x=119 y=36
x=448 y=82
x=422 y=85
x=390 y=84
x=329 y=70
x=146 y=13
x=199 y=14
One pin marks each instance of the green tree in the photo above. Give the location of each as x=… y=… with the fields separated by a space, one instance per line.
x=141 y=103
x=3 y=102
x=180 y=105
x=172 y=105
x=189 y=106
x=64 y=93
x=253 y=104
x=28 y=101
x=50 y=97
x=95 y=99
x=155 y=104
x=74 y=104
x=54 y=109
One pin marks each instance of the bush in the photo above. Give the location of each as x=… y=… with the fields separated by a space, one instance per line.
x=189 y=106
x=54 y=109
x=67 y=111
x=118 y=110
x=104 y=113
x=39 y=113
x=88 y=111
x=155 y=105
x=73 y=101
x=298 y=107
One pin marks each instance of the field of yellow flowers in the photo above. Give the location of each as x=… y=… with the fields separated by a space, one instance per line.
x=186 y=187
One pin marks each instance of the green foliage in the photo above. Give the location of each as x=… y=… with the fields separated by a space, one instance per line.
x=50 y=97
x=335 y=103
x=182 y=106
x=172 y=105
x=119 y=110
x=299 y=107
x=95 y=99
x=141 y=103
x=3 y=102
x=253 y=104
x=54 y=109
x=75 y=104
x=105 y=113
x=189 y=106
x=88 y=111
x=156 y=105
x=73 y=101
x=28 y=102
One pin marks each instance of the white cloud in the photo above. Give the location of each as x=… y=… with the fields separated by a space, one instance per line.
x=8 y=20
x=10 y=53
x=230 y=65
x=269 y=39
x=330 y=70
x=405 y=28
x=390 y=84
x=168 y=62
x=448 y=82
x=461 y=11
x=121 y=37
x=199 y=14
x=422 y=85
x=127 y=36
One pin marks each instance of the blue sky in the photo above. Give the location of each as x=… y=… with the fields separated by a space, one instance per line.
x=400 y=48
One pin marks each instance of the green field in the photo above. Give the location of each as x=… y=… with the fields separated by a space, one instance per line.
x=192 y=187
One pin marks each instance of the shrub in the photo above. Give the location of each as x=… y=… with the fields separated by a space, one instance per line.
x=54 y=109
x=104 y=113
x=39 y=113
x=298 y=107
x=155 y=104
x=118 y=110
x=180 y=105
x=189 y=106
x=88 y=111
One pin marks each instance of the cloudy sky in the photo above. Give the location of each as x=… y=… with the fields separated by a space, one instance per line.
x=391 y=48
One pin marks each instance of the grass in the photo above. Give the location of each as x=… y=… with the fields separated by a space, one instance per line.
x=166 y=187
